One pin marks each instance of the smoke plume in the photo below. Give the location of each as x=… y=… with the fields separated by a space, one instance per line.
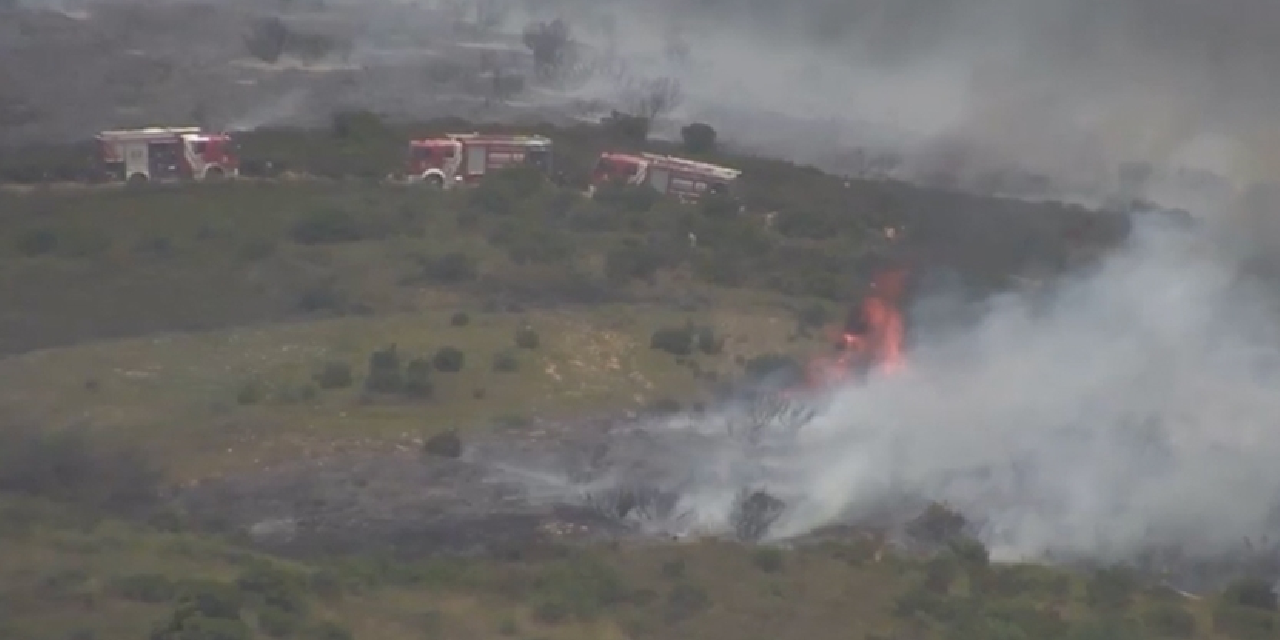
x=1131 y=409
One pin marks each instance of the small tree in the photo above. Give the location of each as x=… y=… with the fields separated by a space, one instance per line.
x=654 y=99
x=698 y=137
x=268 y=39
x=550 y=43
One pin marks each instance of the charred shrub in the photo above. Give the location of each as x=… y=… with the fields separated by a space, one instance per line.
x=753 y=513
x=677 y=341
x=327 y=226
x=417 y=379
x=626 y=128
x=334 y=375
x=67 y=466
x=698 y=137
x=527 y=338
x=1168 y=620
x=445 y=445
x=505 y=362
x=386 y=374
x=449 y=360
x=632 y=502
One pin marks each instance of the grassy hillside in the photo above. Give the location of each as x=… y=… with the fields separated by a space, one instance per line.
x=155 y=337
x=63 y=575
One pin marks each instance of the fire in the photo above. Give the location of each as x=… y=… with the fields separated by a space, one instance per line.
x=872 y=338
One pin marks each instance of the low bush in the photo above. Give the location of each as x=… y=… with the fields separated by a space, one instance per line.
x=768 y=560
x=445 y=445
x=449 y=360
x=334 y=375
x=505 y=362
x=416 y=382
x=677 y=341
x=1254 y=593
x=527 y=338
x=1111 y=588
x=1168 y=620
x=385 y=372
x=451 y=268
x=150 y=588
x=698 y=138
x=67 y=466
x=459 y=319
x=328 y=226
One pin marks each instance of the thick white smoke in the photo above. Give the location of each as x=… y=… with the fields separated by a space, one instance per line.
x=1132 y=409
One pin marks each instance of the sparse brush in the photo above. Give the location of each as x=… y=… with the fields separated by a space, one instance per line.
x=640 y=503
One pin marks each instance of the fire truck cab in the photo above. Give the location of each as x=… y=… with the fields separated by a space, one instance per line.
x=464 y=158
x=166 y=153
x=668 y=175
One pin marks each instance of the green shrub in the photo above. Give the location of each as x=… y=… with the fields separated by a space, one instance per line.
x=451 y=268
x=527 y=338
x=445 y=445
x=768 y=560
x=698 y=138
x=1244 y=623
x=686 y=600
x=385 y=373
x=971 y=553
x=334 y=375
x=707 y=341
x=626 y=198
x=274 y=588
x=416 y=382
x=328 y=630
x=505 y=362
x=459 y=319
x=1168 y=620
x=251 y=392
x=278 y=623
x=625 y=263
x=941 y=572
x=1111 y=588
x=322 y=297
x=328 y=226
x=66 y=466
x=718 y=206
x=151 y=588
x=449 y=360
x=677 y=341
x=1254 y=593
x=771 y=364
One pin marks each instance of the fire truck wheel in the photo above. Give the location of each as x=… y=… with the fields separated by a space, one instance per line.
x=436 y=181
x=214 y=174
x=137 y=179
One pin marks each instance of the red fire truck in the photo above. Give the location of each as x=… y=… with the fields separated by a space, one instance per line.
x=166 y=153
x=463 y=158
x=669 y=175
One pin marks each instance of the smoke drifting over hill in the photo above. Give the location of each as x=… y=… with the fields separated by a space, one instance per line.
x=1131 y=410
x=1066 y=88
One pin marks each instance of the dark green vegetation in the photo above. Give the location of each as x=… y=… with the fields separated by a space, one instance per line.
x=170 y=334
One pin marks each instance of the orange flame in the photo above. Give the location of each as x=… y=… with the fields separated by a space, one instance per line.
x=872 y=339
